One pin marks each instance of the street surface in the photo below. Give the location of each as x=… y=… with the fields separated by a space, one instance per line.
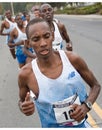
x=86 y=35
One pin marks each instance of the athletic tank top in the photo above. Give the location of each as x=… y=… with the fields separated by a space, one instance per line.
x=12 y=26
x=58 y=93
x=21 y=36
x=8 y=30
x=57 y=37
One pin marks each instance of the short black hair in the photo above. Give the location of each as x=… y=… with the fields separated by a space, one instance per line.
x=45 y=4
x=34 y=21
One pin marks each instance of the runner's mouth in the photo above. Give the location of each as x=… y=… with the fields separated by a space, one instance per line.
x=44 y=52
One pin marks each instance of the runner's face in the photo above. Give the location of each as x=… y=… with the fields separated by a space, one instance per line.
x=36 y=13
x=47 y=12
x=41 y=39
x=19 y=21
x=28 y=17
x=8 y=14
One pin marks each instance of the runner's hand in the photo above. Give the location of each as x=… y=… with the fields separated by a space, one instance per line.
x=27 y=107
x=79 y=112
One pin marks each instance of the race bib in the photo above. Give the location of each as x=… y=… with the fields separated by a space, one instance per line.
x=62 y=110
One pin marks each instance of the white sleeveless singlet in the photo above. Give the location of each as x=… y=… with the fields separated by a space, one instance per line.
x=56 y=95
x=57 y=37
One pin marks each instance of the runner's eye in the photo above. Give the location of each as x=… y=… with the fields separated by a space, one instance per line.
x=35 y=39
x=49 y=9
x=47 y=36
x=45 y=10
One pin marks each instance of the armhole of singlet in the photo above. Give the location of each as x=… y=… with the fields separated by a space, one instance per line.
x=34 y=65
x=64 y=57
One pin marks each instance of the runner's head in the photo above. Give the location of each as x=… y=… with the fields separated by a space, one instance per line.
x=46 y=12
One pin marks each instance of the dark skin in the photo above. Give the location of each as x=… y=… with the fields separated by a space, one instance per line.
x=47 y=13
x=50 y=64
x=65 y=36
x=14 y=35
x=5 y=25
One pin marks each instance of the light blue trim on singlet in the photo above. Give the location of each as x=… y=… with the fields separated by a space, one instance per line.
x=52 y=90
